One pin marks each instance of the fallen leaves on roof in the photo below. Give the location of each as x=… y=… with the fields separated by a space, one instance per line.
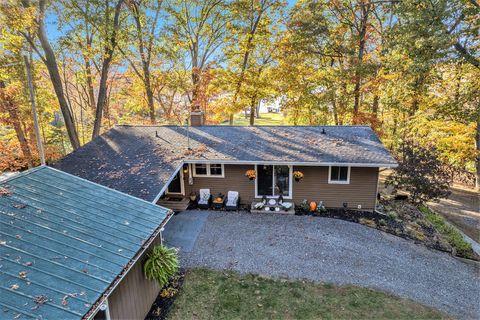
x=40 y=299
x=65 y=298
x=4 y=192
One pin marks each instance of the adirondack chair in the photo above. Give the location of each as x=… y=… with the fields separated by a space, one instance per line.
x=205 y=199
x=233 y=200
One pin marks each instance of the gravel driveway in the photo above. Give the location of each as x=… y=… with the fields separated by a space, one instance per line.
x=330 y=250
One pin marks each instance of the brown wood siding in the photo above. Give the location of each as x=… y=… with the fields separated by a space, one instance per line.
x=234 y=180
x=361 y=190
x=134 y=296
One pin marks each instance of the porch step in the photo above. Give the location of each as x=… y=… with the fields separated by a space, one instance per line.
x=175 y=204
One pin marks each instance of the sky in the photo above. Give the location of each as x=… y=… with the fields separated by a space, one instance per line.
x=54 y=33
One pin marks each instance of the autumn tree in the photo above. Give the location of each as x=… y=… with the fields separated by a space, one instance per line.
x=145 y=16
x=199 y=28
x=108 y=25
x=340 y=35
x=442 y=31
x=9 y=105
x=28 y=20
x=420 y=172
x=252 y=27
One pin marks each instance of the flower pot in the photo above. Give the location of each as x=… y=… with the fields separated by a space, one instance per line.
x=298 y=179
x=251 y=178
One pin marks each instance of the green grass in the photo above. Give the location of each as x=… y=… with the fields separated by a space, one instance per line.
x=452 y=235
x=266 y=119
x=225 y=295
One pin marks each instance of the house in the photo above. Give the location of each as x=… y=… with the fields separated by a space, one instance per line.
x=340 y=163
x=73 y=249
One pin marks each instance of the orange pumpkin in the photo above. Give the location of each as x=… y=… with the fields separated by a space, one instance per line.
x=313 y=206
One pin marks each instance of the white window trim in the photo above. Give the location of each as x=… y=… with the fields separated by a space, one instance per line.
x=208 y=175
x=290 y=183
x=330 y=181
x=182 y=184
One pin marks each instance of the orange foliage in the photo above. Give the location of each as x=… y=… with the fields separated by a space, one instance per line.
x=368 y=118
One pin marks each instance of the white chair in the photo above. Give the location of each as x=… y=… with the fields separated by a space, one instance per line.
x=233 y=200
x=205 y=199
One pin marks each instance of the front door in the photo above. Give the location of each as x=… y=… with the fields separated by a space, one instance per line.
x=176 y=186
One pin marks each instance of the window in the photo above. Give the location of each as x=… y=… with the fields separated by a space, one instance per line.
x=201 y=169
x=273 y=181
x=214 y=170
x=339 y=175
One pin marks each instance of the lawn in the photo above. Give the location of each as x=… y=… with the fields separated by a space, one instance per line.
x=452 y=235
x=225 y=295
x=266 y=119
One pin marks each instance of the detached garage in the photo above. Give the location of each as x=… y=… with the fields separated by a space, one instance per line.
x=73 y=249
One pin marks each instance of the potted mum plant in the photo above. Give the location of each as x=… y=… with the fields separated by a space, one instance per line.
x=251 y=174
x=298 y=175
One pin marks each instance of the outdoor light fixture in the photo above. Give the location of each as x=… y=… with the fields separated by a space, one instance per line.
x=185 y=168
x=345 y=205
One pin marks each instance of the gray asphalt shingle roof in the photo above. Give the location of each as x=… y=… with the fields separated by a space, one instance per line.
x=65 y=239
x=139 y=160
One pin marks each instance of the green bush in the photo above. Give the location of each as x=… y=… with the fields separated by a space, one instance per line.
x=452 y=235
x=162 y=263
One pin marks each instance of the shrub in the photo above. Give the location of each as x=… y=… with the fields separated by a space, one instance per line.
x=368 y=222
x=162 y=263
x=420 y=172
x=452 y=235
x=304 y=206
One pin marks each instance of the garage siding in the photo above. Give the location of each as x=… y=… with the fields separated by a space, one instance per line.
x=314 y=186
x=134 y=296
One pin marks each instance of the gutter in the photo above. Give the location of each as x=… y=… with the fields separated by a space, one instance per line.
x=297 y=163
x=103 y=299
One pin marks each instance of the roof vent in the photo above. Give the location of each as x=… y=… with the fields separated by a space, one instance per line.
x=156 y=134
x=323 y=131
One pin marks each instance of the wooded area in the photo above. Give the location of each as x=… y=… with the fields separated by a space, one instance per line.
x=410 y=69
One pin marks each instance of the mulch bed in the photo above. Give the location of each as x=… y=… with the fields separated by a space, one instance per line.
x=166 y=297
x=399 y=218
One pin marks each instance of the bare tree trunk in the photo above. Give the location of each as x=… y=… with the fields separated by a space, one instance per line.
x=334 y=108
x=253 y=105
x=7 y=104
x=477 y=138
x=246 y=56
x=52 y=67
x=107 y=60
x=375 y=103
x=195 y=78
x=151 y=105
x=416 y=95
x=361 y=50
x=89 y=76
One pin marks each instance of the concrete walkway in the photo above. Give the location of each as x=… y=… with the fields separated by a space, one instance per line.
x=327 y=250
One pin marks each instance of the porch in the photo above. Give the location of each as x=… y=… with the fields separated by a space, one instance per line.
x=354 y=187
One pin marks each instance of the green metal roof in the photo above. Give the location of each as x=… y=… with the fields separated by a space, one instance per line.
x=64 y=239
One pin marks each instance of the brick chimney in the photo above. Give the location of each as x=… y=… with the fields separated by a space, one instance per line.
x=196 y=118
